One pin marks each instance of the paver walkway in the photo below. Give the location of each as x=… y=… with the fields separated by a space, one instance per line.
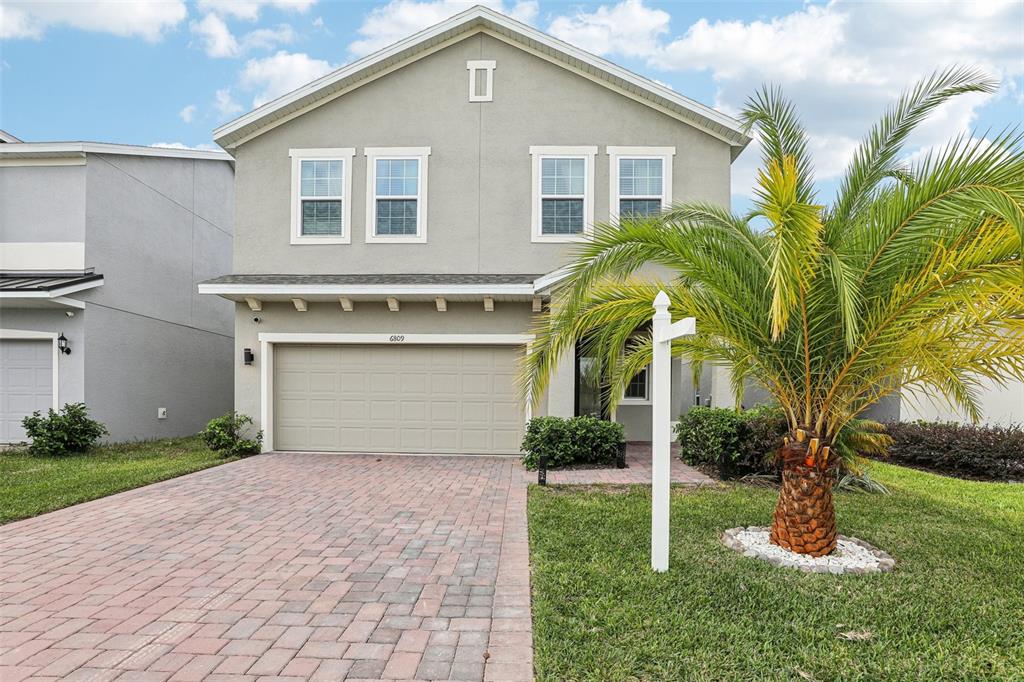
x=286 y=566
x=638 y=463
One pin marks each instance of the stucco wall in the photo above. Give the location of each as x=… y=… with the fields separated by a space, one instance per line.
x=155 y=228
x=999 y=405
x=42 y=203
x=479 y=180
x=137 y=364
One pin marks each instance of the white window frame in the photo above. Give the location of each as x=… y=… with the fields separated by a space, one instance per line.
x=625 y=400
x=588 y=154
x=616 y=154
x=372 y=155
x=487 y=65
x=343 y=154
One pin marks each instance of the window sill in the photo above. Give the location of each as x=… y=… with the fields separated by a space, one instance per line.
x=306 y=239
x=559 y=238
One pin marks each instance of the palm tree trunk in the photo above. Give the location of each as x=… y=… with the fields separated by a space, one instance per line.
x=805 y=518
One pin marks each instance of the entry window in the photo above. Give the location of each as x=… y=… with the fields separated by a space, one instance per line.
x=396 y=206
x=641 y=180
x=563 y=196
x=637 y=388
x=321 y=191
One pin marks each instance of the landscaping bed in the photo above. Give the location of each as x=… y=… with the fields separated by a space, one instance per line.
x=33 y=484
x=951 y=609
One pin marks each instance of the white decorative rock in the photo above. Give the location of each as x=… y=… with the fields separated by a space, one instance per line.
x=852 y=555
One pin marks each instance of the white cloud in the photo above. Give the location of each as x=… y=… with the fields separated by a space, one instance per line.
x=273 y=76
x=401 y=18
x=181 y=145
x=841 y=63
x=218 y=41
x=215 y=36
x=226 y=104
x=188 y=113
x=250 y=9
x=147 y=20
x=629 y=28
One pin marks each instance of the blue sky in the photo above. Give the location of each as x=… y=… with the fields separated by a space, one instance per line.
x=171 y=71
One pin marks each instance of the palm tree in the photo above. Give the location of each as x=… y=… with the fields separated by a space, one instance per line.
x=911 y=277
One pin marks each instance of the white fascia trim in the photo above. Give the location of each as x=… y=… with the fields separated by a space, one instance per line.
x=552 y=278
x=343 y=154
x=42 y=161
x=667 y=156
x=7 y=138
x=53 y=293
x=42 y=149
x=374 y=153
x=478 y=18
x=28 y=335
x=257 y=290
x=538 y=152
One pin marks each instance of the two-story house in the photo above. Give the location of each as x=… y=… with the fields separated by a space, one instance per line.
x=401 y=221
x=101 y=247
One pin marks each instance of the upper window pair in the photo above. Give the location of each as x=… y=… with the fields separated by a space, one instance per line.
x=563 y=187
x=395 y=189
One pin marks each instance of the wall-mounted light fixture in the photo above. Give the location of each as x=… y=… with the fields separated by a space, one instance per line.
x=247 y=356
x=62 y=345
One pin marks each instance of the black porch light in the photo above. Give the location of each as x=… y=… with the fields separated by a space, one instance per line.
x=247 y=356
x=62 y=345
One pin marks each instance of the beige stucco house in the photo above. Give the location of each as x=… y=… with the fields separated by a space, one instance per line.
x=401 y=221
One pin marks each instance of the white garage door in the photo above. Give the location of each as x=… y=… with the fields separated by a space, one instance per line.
x=428 y=399
x=26 y=384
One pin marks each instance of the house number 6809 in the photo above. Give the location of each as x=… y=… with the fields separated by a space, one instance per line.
x=397 y=338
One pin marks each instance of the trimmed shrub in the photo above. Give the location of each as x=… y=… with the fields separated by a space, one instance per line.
x=62 y=433
x=579 y=440
x=987 y=452
x=224 y=435
x=737 y=443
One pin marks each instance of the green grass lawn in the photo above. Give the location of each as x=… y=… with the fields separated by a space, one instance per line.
x=952 y=609
x=31 y=485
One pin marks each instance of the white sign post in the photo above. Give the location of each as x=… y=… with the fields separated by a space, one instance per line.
x=663 y=331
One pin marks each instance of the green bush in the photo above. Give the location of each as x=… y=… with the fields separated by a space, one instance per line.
x=738 y=443
x=579 y=440
x=61 y=433
x=989 y=452
x=224 y=435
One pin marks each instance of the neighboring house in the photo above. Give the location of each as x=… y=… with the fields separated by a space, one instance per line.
x=401 y=221
x=101 y=247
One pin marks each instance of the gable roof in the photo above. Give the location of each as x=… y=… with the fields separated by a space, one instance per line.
x=7 y=138
x=474 y=20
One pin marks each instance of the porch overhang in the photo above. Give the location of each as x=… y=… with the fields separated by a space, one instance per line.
x=45 y=290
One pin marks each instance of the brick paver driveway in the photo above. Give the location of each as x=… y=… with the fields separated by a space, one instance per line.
x=286 y=566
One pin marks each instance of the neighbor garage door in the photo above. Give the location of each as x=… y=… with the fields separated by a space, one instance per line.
x=26 y=384
x=430 y=399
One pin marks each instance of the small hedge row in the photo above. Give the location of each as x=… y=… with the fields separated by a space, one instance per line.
x=986 y=452
x=566 y=442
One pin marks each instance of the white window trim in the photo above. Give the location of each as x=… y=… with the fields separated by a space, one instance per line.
x=615 y=154
x=487 y=65
x=588 y=155
x=26 y=335
x=638 y=401
x=269 y=340
x=374 y=153
x=343 y=154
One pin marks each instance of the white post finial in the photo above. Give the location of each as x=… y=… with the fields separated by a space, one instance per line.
x=661 y=302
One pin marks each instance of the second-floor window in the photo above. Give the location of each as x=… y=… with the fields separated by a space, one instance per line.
x=396 y=195
x=321 y=192
x=563 y=203
x=641 y=180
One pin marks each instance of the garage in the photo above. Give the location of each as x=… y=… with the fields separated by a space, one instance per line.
x=442 y=399
x=26 y=383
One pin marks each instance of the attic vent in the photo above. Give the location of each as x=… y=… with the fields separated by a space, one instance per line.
x=481 y=80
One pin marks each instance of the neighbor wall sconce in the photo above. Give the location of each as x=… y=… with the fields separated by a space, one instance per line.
x=62 y=345
x=247 y=356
